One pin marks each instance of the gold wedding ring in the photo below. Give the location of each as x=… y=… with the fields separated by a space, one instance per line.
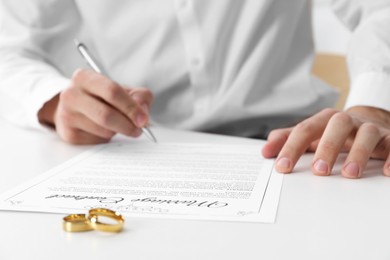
x=95 y=214
x=76 y=223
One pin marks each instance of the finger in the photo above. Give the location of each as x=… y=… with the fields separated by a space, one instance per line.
x=300 y=139
x=76 y=136
x=112 y=93
x=81 y=122
x=142 y=96
x=386 y=167
x=366 y=140
x=336 y=133
x=81 y=137
x=313 y=146
x=107 y=117
x=382 y=150
x=276 y=139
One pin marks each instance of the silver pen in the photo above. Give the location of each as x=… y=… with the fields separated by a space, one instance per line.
x=91 y=62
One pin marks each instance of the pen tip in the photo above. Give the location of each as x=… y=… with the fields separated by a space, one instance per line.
x=149 y=134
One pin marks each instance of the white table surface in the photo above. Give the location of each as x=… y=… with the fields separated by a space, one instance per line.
x=318 y=217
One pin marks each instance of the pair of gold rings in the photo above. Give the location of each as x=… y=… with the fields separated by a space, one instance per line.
x=81 y=222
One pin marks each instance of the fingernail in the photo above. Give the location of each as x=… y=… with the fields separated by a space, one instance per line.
x=283 y=164
x=321 y=167
x=140 y=120
x=352 y=170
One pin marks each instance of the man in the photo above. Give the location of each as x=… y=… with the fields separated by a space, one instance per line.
x=224 y=66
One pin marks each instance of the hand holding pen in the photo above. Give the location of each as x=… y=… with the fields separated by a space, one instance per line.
x=92 y=63
x=94 y=108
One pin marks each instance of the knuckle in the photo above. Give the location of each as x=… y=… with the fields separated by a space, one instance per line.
x=370 y=128
x=79 y=75
x=69 y=96
x=65 y=117
x=273 y=134
x=71 y=136
x=112 y=91
x=305 y=127
x=104 y=116
x=68 y=99
x=278 y=133
x=342 y=118
x=66 y=96
x=329 y=111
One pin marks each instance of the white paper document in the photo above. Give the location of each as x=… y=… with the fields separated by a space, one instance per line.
x=187 y=181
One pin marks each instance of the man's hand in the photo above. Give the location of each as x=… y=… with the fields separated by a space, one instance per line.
x=362 y=131
x=94 y=108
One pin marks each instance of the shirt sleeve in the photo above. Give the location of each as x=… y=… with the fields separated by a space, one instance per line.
x=32 y=43
x=369 y=51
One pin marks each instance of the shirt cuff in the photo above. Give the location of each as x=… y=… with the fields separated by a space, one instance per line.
x=48 y=88
x=370 y=89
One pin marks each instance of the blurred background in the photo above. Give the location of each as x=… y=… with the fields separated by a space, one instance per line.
x=325 y=23
x=331 y=39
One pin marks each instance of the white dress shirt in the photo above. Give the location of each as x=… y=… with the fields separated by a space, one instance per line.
x=227 y=66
